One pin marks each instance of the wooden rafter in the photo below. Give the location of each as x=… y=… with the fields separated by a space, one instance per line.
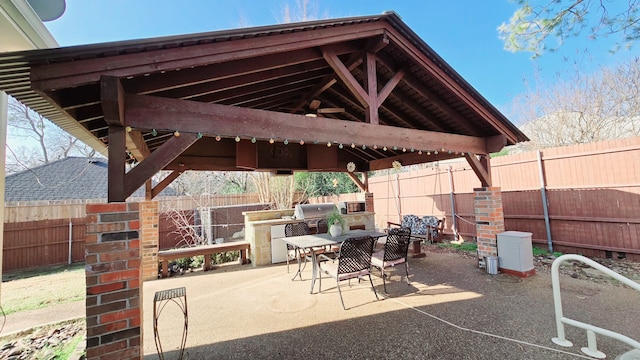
x=359 y=184
x=163 y=184
x=77 y=73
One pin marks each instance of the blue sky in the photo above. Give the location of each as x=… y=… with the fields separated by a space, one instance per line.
x=463 y=32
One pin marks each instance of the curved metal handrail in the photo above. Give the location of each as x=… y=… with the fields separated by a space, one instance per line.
x=592 y=349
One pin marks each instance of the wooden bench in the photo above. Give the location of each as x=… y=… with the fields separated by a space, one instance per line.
x=207 y=250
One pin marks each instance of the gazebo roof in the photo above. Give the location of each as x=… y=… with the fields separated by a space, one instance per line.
x=369 y=81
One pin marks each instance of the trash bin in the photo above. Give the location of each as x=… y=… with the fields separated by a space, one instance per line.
x=491 y=265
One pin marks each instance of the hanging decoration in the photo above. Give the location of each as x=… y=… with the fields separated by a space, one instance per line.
x=351 y=167
x=396 y=165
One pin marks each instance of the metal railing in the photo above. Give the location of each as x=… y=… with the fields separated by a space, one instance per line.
x=592 y=348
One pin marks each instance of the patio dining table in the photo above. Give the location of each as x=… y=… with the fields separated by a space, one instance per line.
x=320 y=240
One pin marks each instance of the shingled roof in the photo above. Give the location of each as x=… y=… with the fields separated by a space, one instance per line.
x=71 y=178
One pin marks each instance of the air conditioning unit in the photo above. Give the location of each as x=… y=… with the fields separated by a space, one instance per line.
x=515 y=254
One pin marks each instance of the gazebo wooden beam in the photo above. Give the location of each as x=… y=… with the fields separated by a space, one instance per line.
x=148 y=112
x=480 y=168
x=154 y=191
x=77 y=73
x=112 y=98
x=356 y=180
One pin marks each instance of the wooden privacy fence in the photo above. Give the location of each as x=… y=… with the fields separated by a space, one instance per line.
x=592 y=193
x=54 y=234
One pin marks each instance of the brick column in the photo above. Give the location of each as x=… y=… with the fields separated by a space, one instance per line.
x=368 y=202
x=489 y=219
x=114 y=295
x=149 y=239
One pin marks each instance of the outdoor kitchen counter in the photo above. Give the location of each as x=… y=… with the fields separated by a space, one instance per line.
x=258 y=229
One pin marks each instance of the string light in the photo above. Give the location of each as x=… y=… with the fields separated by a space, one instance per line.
x=177 y=133
x=404 y=149
x=253 y=140
x=329 y=144
x=237 y=138
x=340 y=146
x=384 y=148
x=199 y=135
x=364 y=147
x=375 y=147
x=218 y=138
x=271 y=141
x=435 y=152
x=353 y=146
x=286 y=142
x=301 y=142
x=428 y=152
x=419 y=152
x=395 y=147
x=154 y=132
x=412 y=150
x=128 y=128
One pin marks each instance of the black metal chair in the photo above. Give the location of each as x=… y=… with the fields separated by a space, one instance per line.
x=297 y=229
x=353 y=261
x=394 y=253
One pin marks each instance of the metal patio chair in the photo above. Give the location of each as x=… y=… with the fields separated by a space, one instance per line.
x=353 y=261
x=394 y=253
x=297 y=229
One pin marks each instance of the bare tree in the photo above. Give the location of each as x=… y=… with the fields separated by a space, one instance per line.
x=536 y=22
x=582 y=108
x=43 y=141
x=303 y=10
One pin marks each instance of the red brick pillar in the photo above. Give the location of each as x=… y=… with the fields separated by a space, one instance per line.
x=114 y=295
x=149 y=239
x=489 y=219
x=368 y=202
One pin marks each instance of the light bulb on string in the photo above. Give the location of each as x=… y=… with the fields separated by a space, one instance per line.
x=395 y=147
x=199 y=136
x=218 y=138
x=329 y=144
x=301 y=142
x=364 y=147
x=419 y=152
x=253 y=140
x=271 y=141
x=375 y=147
x=154 y=132
x=404 y=149
x=340 y=146
x=176 y=133
x=237 y=138
x=384 y=148
x=286 y=142
x=353 y=146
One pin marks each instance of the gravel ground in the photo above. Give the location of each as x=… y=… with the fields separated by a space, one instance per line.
x=576 y=270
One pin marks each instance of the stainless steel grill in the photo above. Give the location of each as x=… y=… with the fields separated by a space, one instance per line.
x=313 y=211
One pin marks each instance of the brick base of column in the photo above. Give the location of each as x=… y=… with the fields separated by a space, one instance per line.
x=114 y=296
x=368 y=202
x=149 y=239
x=489 y=219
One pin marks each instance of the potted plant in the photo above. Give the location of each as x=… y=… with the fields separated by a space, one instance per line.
x=335 y=222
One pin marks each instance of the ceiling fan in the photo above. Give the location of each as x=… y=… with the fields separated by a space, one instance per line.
x=316 y=110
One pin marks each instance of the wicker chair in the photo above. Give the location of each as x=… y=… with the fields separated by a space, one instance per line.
x=353 y=261
x=394 y=252
x=293 y=252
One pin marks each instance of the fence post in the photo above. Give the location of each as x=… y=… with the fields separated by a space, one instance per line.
x=453 y=204
x=545 y=207
x=70 y=240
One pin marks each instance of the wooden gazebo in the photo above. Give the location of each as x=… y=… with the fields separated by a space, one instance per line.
x=367 y=81
x=312 y=96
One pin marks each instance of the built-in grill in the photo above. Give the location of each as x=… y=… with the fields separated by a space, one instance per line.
x=311 y=213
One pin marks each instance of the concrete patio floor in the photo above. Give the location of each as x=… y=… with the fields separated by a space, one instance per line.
x=451 y=310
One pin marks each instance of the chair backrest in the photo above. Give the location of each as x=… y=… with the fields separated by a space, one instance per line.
x=355 y=254
x=397 y=245
x=297 y=229
x=322 y=226
x=414 y=223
